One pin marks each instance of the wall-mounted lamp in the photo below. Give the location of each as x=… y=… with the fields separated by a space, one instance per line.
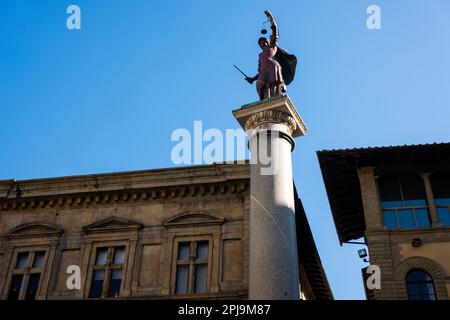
x=362 y=253
x=416 y=242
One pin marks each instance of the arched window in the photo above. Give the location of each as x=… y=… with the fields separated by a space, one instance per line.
x=420 y=285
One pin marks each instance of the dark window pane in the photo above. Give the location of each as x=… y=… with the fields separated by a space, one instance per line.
x=440 y=183
x=119 y=255
x=202 y=250
x=182 y=279
x=102 y=255
x=389 y=219
x=201 y=273
x=22 y=259
x=422 y=218
x=415 y=203
x=391 y=204
x=429 y=291
x=413 y=188
x=183 y=250
x=442 y=202
x=402 y=191
x=418 y=276
x=421 y=291
x=444 y=216
x=114 y=283
x=389 y=189
x=406 y=219
x=33 y=284
x=414 y=290
x=38 y=259
x=16 y=283
x=99 y=275
x=97 y=284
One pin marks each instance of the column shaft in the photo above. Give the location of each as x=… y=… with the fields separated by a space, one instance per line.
x=273 y=246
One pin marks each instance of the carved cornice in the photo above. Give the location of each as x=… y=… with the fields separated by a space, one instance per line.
x=270 y=116
x=126 y=196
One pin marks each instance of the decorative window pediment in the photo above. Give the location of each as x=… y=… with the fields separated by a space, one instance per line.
x=112 y=224
x=193 y=218
x=35 y=229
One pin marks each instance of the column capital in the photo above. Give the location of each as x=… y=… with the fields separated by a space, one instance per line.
x=367 y=171
x=426 y=175
x=258 y=119
x=276 y=110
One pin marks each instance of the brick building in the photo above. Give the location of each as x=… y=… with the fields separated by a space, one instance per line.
x=398 y=200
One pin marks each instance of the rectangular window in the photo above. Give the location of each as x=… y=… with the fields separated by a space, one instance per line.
x=390 y=219
x=440 y=183
x=201 y=273
x=403 y=202
x=16 y=284
x=406 y=218
x=22 y=260
x=182 y=279
x=114 y=283
x=102 y=255
x=444 y=215
x=119 y=255
x=33 y=283
x=26 y=275
x=192 y=267
x=97 y=284
x=107 y=274
x=422 y=217
x=38 y=259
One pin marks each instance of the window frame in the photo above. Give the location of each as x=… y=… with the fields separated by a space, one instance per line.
x=417 y=283
x=397 y=209
x=187 y=225
x=440 y=206
x=439 y=199
x=107 y=267
x=193 y=240
x=397 y=219
x=28 y=270
x=32 y=236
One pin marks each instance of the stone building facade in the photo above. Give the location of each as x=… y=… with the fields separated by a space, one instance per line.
x=155 y=234
x=398 y=200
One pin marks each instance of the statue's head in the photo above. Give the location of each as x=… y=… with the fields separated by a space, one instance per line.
x=263 y=42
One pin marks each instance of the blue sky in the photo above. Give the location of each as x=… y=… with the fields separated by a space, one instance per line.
x=107 y=97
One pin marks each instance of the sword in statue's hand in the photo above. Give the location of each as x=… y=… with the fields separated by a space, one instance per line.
x=249 y=80
x=240 y=71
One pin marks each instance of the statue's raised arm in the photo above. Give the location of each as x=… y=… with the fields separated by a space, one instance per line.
x=274 y=27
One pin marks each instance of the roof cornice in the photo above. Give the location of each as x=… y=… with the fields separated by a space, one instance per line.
x=124 y=187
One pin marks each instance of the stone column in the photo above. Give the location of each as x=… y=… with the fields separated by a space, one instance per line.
x=430 y=199
x=272 y=125
x=370 y=199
